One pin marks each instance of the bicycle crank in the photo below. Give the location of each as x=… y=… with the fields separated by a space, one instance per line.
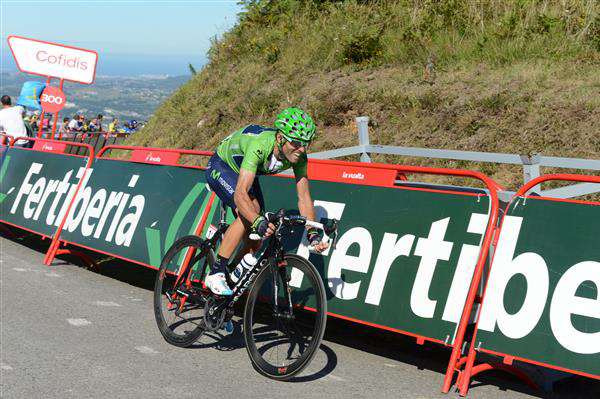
x=214 y=314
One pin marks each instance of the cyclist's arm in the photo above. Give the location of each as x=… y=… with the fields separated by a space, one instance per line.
x=305 y=202
x=242 y=199
x=306 y=206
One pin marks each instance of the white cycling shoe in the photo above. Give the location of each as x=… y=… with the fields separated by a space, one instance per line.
x=217 y=284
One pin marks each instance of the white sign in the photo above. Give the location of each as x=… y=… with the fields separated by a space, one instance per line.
x=54 y=60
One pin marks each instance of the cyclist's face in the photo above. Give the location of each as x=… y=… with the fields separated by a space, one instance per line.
x=293 y=150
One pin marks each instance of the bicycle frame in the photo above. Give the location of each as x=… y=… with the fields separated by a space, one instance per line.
x=273 y=257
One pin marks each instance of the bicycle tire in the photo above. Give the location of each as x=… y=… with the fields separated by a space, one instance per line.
x=272 y=340
x=180 y=325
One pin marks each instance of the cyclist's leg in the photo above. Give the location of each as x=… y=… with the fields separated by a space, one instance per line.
x=223 y=180
x=239 y=234
x=252 y=246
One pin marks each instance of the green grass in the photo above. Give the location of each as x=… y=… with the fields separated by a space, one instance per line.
x=515 y=76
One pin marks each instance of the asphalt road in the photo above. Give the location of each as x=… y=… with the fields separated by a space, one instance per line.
x=71 y=332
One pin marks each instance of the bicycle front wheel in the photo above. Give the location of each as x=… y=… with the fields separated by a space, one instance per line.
x=284 y=318
x=179 y=307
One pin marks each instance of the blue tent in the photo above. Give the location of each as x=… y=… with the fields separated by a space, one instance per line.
x=30 y=94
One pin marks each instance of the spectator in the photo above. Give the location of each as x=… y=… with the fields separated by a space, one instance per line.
x=92 y=125
x=74 y=124
x=112 y=126
x=64 y=129
x=34 y=120
x=11 y=118
x=85 y=124
x=95 y=124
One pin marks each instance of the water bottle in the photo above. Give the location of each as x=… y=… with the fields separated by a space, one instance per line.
x=247 y=263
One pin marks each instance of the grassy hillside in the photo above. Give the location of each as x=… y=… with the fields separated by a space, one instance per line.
x=514 y=76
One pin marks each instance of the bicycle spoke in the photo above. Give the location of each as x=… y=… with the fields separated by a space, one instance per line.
x=179 y=311
x=281 y=340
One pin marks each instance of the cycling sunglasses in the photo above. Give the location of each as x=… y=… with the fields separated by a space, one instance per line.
x=297 y=143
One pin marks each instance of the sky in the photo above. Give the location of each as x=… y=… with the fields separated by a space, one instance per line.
x=131 y=37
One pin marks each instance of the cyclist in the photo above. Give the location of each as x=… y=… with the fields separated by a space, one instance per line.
x=232 y=174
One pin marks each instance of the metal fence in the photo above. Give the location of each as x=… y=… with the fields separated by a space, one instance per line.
x=531 y=164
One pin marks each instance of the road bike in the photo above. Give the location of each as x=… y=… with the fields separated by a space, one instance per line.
x=285 y=311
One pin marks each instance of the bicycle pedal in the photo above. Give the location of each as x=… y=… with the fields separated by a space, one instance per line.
x=228 y=326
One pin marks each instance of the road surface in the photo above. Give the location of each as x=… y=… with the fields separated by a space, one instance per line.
x=71 y=332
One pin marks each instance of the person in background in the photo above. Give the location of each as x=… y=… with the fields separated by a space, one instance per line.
x=112 y=126
x=99 y=118
x=64 y=129
x=33 y=121
x=46 y=121
x=82 y=123
x=11 y=118
x=74 y=124
x=130 y=126
x=93 y=125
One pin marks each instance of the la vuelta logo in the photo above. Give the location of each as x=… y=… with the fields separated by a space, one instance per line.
x=111 y=216
x=151 y=158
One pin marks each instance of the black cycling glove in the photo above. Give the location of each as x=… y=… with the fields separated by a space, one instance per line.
x=261 y=224
x=314 y=236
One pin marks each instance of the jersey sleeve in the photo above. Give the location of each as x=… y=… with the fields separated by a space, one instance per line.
x=254 y=155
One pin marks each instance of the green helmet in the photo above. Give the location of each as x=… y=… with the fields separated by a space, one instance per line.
x=296 y=124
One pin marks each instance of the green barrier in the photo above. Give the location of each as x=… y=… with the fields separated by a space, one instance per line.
x=125 y=209
x=404 y=259
x=542 y=301
x=403 y=262
x=35 y=188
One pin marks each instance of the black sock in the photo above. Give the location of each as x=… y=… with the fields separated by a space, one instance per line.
x=220 y=265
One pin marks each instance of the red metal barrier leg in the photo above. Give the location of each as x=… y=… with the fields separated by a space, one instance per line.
x=520 y=374
x=451 y=369
x=51 y=253
x=465 y=380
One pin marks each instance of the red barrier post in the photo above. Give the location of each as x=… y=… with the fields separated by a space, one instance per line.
x=493 y=187
x=51 y=253
x=470 y=371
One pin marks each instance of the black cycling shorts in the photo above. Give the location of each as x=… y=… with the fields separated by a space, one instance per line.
x=223 y=180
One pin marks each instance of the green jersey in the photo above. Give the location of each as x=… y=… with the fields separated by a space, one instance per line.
x=251 y=149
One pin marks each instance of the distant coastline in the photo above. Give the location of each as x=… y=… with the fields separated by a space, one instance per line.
x=128 y=65
x=114 y=96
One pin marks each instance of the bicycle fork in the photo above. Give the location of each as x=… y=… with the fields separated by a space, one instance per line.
x=285 y=279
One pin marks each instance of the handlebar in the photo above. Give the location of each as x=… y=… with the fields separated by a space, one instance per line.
x=281 y=219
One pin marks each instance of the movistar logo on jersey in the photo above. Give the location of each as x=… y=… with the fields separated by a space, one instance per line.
x=215 y=174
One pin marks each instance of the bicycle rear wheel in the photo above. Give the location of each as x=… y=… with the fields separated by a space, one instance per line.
x=283 y=338
x=179 y=310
